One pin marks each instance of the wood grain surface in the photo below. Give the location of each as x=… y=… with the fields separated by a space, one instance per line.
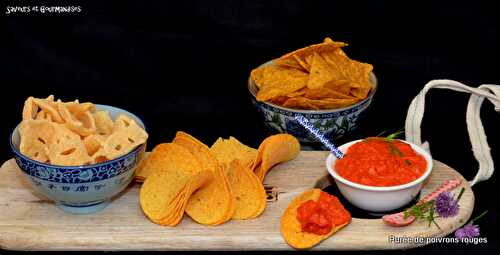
x=30 y=222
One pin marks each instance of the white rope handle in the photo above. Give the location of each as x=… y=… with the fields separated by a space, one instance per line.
x=475 y=127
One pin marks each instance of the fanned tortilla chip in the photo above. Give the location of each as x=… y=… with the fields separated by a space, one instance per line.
x=274 y=150
x=226 y=150
x=163 y=187
x=166 y=155
x=248 y=190
x=173 y=174
x=214 y=203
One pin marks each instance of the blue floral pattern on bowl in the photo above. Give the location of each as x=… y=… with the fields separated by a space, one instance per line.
x=75 y=175
x=80 y=189
x=333 y=123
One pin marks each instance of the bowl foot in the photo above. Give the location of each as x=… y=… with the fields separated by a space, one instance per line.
x=83 y=209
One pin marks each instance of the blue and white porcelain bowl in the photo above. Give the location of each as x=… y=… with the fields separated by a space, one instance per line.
x=334 y=123
x=81 y=189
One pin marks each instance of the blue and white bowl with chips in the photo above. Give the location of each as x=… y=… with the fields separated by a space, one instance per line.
x=81 y=189
x=333 y=123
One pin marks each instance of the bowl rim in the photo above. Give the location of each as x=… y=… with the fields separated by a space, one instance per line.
x=373 y=80
x=138 y=148
x=331 y=159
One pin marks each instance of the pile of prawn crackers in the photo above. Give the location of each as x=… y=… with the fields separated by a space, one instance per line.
x=74 y=133
x=212 y=185
x=316 y=77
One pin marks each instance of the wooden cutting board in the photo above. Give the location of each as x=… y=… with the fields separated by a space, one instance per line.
x=28 y=222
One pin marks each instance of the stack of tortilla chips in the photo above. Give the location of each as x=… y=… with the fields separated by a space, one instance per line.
x=211 y=185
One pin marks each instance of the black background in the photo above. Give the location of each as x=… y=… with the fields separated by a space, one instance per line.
x=183 y=65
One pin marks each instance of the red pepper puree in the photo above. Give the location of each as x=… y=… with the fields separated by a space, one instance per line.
x=381 y=162
x=319 y=217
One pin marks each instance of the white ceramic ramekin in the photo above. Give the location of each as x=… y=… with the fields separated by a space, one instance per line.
x=378 y=199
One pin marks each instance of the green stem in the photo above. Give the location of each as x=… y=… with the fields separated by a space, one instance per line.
x=381 y=133
x=460 y=194
x=396 y=134
x=478 y=217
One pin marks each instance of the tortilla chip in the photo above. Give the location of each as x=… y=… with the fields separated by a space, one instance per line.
x=326 y=93
x=327 y=45
x=213 y=204
x=280 y=81
x=325 y=70
x=197 y=182
x=321 y=73
x=226 y=150
x=292 y=63
x=166 y=155
x=248 y=190
x=339 y=86
x=319 y=104
x=291 y=228
x=163 y=187
x=355 y=72
x=300 y=103
x=274 y=150
x=303 y=63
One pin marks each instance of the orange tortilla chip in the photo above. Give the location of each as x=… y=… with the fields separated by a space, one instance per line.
x=291 y=228
x=325 y=93
x=300 y=103
x=327 y=45
x=321 y=73
x=274 y=150
x=250 y=195
x=297 y=93
x=279 y=81
x=319 y=104
x=165 y=155
x=355 y=72
x=163 y=187
x=213 y=204
x=340 y=86
x=323 y=68
x=226 y=150
x=172 y=174
x=292 y=63
x=303 y=63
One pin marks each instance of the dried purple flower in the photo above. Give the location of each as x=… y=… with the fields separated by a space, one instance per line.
x=446 y=205
x=468 y=231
